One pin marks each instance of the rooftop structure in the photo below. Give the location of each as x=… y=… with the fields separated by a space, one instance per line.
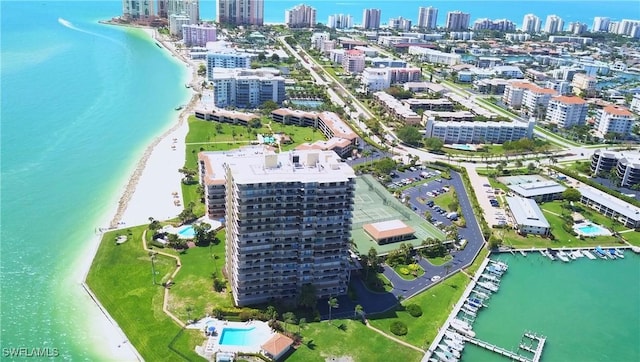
x=610 y=206
x=276 y=346
x=527 y=216
x=540 y=191
x=385 y=232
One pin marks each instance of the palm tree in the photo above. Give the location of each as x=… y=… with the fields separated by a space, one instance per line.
x=358 y=310
x=333 y=303
x=301 y=323
x=288 y=317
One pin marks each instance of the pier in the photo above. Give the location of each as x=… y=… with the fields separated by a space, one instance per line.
x=499 y=350
x=537 y=352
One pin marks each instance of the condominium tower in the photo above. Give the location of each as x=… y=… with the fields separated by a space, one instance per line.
x=301 y=16
x=531 y=24
x=288 y=221
x=427 y=17
x=240 y=12
x=457 y=20
x=138 y=10
x=600 y=23
x=190 y=8
x=554 y=24
x=371 y=19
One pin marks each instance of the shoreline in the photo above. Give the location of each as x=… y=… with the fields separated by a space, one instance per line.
x=133 y=203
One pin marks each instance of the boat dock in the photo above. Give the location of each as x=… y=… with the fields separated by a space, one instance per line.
x=499 y=350
x=539 y=341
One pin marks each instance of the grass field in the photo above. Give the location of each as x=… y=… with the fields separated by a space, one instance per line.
x=121 y=277
x=436 y=302
x=445 y=199
x=323 y=341
x=439 y=260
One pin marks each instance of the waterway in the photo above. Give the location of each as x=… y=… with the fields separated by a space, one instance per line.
x=589 y=310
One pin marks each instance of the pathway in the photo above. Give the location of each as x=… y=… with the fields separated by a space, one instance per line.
x=394 y=338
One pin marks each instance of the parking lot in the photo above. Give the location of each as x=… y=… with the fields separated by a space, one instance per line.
x=493 y=213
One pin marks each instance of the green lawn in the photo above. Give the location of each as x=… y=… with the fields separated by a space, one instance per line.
x=121 y=277
x=208 y=131
x=471 y=270
x=298 y=134
x=632 y=237
x=436 y=302
x=410 y=276
x=193 y=286
x=445 y=199
x=559 y=207
x=439 y=260
x=324 y=340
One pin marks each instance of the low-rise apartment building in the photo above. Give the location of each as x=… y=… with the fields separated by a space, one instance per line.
x=397 y=109
x=527 y=216
x=477 y=132
x=353 y=61
x=609 y=206
x=626 y=165
x=435 y=56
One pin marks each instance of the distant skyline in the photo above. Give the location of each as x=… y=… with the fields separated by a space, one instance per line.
x=589 y=9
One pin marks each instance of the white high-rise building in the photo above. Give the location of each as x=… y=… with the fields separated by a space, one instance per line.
x=190 y=8
x=246 y=88
x=301 y=16
x=554 y=24
x=457 y=20
x=176 y=21
x=288 y=221
x=138 y=10
x=240 y=12
x=400 y=23
x=340 y=21
x=531 y=24
x=428 y=17
x=600 y=23
x=371 y=19
x=629 y=27
x=615 y=119
x=565 y=111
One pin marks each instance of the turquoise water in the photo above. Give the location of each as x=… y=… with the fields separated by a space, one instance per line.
x=79 y=105
x=236 y=337
x=187 y=232
x=592 y=230
x=587 y=309
x=306 y=103
x=463 y=147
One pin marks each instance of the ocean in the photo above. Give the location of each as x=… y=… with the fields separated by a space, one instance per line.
x=588 y=309
x=80 y=102
x=513 y=10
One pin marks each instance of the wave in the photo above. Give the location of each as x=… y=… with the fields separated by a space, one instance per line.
x=68 y=24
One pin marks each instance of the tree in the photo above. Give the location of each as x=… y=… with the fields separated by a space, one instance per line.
x=301 y=323
x=333 y=303
x=385 y=166
x=571 y=194
x=275 y=58
x=410 y=135
x=268 y=107
x=201 y=233
x=202 y=70
x=261 y=57
x=271 y=313
x=531 y=166
x=518 y=163
x=308 y=296
x=188 y=175
x=358 y=310
x=288 y=317
x=154 y=224
x=433 y=143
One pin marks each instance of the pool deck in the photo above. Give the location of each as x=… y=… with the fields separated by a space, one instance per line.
x=212 y=344
x=602 y=231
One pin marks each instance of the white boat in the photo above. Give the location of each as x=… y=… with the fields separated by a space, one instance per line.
x=470 y=310
x=562 y=256
x=454 y=336
x=523 y=253
x=571 y=256
x=500 y=264
x=453 y=344
x=462 y=327
x=490 y=277
x=619 y=253
x=447 y=349
x=443 y=357
x=635 y=249
x=578 y=254
x=588 y=254
x=488 y=285
x=480 y=294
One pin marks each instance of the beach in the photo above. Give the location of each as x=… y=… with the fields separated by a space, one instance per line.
x=152 y=190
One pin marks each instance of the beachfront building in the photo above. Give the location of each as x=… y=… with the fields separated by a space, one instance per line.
x=340 y=137
x=427 y=18
x=565 y=111
x=531 y=24
x=600 y=23
x=615 y=119
x=190 y=8
x=457 y=21
x=399 y=23
x=611 y=207
x=502 y=25
x=353 y=61
x=301 y=16
x=138 y=10
x=434 y=56
x=246 y=88
x=340 y=21
x=240 y=12
x=527 y=216
x=288 y=221
x=540 y=191
x=226 y=58
x=176 y=24
x=476 y=132
x=198 y=35
x=554 y=24
x=625 y=165
x=371 y=19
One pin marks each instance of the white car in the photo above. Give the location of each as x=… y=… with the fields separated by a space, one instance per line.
x=435 y=278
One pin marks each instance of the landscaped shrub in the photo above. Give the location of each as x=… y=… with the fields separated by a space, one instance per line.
x=398 y=328
x=414 y=267
x=415 y=310
x=404 y=271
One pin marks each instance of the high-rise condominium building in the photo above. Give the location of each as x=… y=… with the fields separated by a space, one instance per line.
x=301 y=16
x=457 y=20
x=615 y=119
x=198 y=35
x=246 y=88
x=427 y=17
x=288 y=221
x=240 y=12
x=600 y=23
x=566 y=111
x=138 y=10
x=340 y=21
x=371 y=19
x=531 y=24
x=554 y=24
x=190 y=8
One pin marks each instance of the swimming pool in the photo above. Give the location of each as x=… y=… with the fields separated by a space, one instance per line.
x=306 y=103
x=236 y=336
x=591 y=230
x=463 y=147
x=187 y=232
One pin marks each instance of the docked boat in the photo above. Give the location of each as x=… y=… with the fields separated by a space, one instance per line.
x=453 y=344
x=571 y=255
x=480 y=294
x=495 y=270
x=476 y=301
x=578 y=254
x=443 y=357
x=468 y=314
x=462 y=327
x=563 y=256
x=471 y=307
x=454 y=336
x=619 y=253
x=489 y=286
x=523 y=253
x=600 y=252
x=490 y=277
x=447 y=349
x=635 y=249
x=612 y=253
x=500 y=264
x=588 y=254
